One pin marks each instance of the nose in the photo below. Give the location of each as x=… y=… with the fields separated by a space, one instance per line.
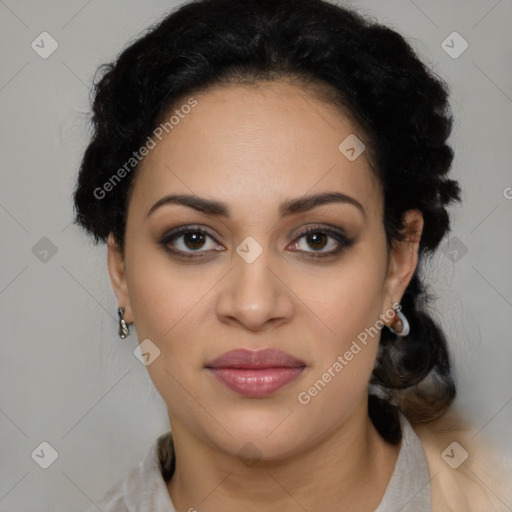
x=254 y=296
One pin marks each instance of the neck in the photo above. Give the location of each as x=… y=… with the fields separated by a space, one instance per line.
x=348 y=469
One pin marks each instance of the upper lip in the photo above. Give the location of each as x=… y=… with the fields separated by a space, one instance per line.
x=264 y=358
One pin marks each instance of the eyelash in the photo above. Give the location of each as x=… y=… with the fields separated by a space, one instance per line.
x=341 y=239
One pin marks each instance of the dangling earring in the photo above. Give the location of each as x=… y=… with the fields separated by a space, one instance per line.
x=123 y=326
x=406 y=328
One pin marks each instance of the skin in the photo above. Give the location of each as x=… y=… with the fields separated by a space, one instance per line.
x=253 y=148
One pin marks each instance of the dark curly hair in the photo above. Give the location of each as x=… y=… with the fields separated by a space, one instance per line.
x=363 y=68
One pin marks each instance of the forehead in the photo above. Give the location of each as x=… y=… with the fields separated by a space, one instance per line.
x=252 y=146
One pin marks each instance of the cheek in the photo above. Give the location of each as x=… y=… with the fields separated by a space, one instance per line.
x=350 y=308
x=169 y=305
x=349 y=298
x=162 y=295
x=165 y=305
x=344 y=363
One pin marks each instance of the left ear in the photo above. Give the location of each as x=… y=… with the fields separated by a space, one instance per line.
x=404 y=256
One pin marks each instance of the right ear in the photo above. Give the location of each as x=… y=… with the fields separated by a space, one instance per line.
x=115 y=260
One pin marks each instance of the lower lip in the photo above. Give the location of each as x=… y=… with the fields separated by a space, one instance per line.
x=256 y=383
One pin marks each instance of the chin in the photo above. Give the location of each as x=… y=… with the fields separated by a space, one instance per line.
x=252 y=450
x=268 y=435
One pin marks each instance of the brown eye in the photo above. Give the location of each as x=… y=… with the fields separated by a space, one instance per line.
x=193 y=240
x=187 y=241
x=319 y=239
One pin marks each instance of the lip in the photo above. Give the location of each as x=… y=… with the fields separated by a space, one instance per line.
x=255 y=373
x=255 y=359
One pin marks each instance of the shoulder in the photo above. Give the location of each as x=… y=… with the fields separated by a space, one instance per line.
x=118 y=497
x=143 y=486
x=466 y=472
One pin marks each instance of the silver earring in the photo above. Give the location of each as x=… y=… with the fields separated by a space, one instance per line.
x=123 y=326
x=406 y=328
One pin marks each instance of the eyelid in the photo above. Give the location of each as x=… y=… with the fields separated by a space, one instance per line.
x=324 y=227
x=205 y=229
x=340 y=236
x=184 y=229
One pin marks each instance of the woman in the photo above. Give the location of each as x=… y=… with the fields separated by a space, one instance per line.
x=269 y=176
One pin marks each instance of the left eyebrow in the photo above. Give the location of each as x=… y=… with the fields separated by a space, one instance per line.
x=289 y=207
x=306 y=203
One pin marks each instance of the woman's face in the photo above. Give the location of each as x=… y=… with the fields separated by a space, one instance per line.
x=249 y=277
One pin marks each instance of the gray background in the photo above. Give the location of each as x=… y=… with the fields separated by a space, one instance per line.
x=65 y=376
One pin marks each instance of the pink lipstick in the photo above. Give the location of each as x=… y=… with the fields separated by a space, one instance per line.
x=255 y=373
